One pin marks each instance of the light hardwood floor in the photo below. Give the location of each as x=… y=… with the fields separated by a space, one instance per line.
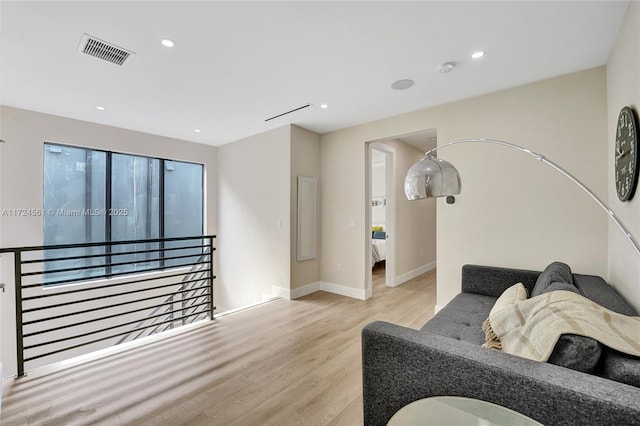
x=281 y=363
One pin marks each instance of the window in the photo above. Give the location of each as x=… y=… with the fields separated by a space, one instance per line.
x=96 y=196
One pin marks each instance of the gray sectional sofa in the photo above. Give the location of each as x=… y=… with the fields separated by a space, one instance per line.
x=445 y=357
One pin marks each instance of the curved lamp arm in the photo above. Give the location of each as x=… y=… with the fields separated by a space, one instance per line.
x=434 y=177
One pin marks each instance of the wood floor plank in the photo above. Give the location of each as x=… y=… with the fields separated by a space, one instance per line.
x=281 y=363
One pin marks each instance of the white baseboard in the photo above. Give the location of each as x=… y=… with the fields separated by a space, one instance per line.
x=281 y=292
x=401 y=279
x=438 y=308
x=368 y=293
x=343 y=290
x=242 y=308
x=318 y=286
x=296 y=293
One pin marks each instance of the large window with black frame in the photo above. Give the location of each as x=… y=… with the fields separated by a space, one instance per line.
x=101 y=196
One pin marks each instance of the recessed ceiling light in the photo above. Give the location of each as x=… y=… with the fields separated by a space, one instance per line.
x=168 y=43
x=197 y=130
x=403 y=84
x=324 y=106
x=477 y=55
x=101 y=108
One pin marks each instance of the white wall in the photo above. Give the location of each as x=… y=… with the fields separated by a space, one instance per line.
x=21 y=182
x=623 y=89
x=513 y=211
x=254 y=229
x=343 y=165
x=378 y=190
x=2 y=294
x=305 y=161
x=416 y=220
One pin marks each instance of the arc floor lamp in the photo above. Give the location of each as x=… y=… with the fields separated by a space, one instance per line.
x=435 y=177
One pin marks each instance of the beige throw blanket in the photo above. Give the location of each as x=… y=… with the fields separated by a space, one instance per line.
x=531 y=328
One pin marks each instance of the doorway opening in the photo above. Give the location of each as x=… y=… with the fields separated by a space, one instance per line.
x=382 y=187
x=401 y=234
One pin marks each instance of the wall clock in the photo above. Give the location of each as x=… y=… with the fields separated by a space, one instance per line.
x=626 y=154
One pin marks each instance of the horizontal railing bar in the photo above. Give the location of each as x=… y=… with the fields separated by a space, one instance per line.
x=153 y=322
x=111 y=285
x=102 y=330
x=117 y=274
x=109 y=337
x=49 y=330
x=196 y=272
x=105 y=243
x=115 y=305
x=92 y=299
x=80 y=268
x=88 y=256
x=186 y=308
x=137 y=334
x=205 y=294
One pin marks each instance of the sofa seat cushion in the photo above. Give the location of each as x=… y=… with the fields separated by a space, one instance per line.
x=462 y=318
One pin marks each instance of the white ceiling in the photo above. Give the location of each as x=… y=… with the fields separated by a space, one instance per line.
x=237 y=63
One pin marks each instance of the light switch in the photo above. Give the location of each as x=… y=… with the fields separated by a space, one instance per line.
x=353 y=223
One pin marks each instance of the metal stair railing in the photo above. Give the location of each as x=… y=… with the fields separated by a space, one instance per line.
x=81 y=297
x=188 y=283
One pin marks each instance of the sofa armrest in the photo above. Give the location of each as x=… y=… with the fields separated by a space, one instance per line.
x=492 y=281
x=401 y=365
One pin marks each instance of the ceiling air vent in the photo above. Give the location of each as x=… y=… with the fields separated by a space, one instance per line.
x=288 y=112
x=100 y=49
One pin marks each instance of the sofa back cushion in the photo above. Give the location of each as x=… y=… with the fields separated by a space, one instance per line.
x=492 y=280
x=598 y=290
x=556 y=272
x=562 y=286
x=571 y=351
x=613 y=364
x=577 y=353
